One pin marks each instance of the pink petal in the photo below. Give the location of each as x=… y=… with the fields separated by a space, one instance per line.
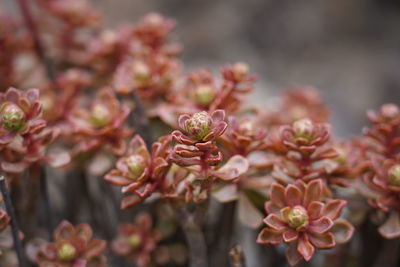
x=269 y=237
x=12 y=95
x=235 y=167
x=315 y=210
x=181 y=121
x=342 y=230
x=32 y=95
x=391 y=228
x=249 y=215
x=333 y=208
x=321 y=225
x=305 y=248
x=313 y=192
x=275 y=222
x=226 y=193
x=290 y=235
x=292 y=254
x=130 y=201
x=323 y=241
x=277 y=195
x=218 y=115
x=293 y=195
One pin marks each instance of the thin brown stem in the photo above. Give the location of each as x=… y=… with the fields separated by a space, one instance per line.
x=195 y=239
x=37 y=42
x=14 y=224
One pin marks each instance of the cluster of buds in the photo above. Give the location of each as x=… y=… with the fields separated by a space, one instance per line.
x=101 y=125
x=296 y=104
x=137 y=242
x=24 y=136
x=382 y=174
x=298 y=215
x=139 y=171
x=72 y=246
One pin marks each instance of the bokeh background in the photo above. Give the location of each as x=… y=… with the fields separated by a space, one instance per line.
x=348 y=49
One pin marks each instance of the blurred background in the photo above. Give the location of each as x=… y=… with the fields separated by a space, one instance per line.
x=348 y=49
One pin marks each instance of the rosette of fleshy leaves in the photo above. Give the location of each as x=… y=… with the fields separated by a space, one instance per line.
x=20 y=114
x=296 y=104
x=102 y=124
x=139 y=171
x=306 y=154
x=152 y=76
x=58 y=104
x=385 y=131
x=198 y=153
x=24 y=135
x=201 y=93
x=381 y=145
x=196 y=146
x=297 y=215
x=243 y=136
x=72 y=246
x=137 y=242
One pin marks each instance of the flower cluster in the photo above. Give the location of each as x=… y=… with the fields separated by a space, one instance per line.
x=72 y=246
x=298 y=215
x=137 y=242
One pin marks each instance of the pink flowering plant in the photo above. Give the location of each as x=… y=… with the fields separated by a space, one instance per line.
x=141 y=162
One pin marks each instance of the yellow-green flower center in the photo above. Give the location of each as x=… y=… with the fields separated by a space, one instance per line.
x=303 y=128
x=135 y=240
x=136 y=165
x=203 y=95
x=66 y=252
x=100 y=116
x=199 y=125
x=13 y=117
x=394 y=175
x=297 y=217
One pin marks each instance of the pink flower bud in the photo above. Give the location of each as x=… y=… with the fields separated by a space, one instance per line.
x=199 y=125
x=66 y=252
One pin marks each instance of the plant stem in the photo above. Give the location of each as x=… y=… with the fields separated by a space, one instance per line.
x=194 y=238
x=237 y=258
x=14 y=224
x=45 y=198
x=142 y=121
x=37 y=42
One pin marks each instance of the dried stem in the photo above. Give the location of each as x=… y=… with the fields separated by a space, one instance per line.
x=14 y=225
x=45 y=199
x=237 y=258
x=141 y=121
x=38 y=45
x=194 y=237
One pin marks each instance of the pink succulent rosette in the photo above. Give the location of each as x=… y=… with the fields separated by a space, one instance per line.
x=102 y=124
x=296 y=215
x=140 y=171
x=20 y=114
x=197 y=146
x=305 y=136
x=72 y=246
x=138 y=241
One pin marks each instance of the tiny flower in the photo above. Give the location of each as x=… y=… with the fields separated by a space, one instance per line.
x=200 y=127
x=20 y=114
x=297 y=215
x=72 y=245
x=66 y=252
x=204 y=95
x=139 y=171
x=305 y=136
x=137 y=242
